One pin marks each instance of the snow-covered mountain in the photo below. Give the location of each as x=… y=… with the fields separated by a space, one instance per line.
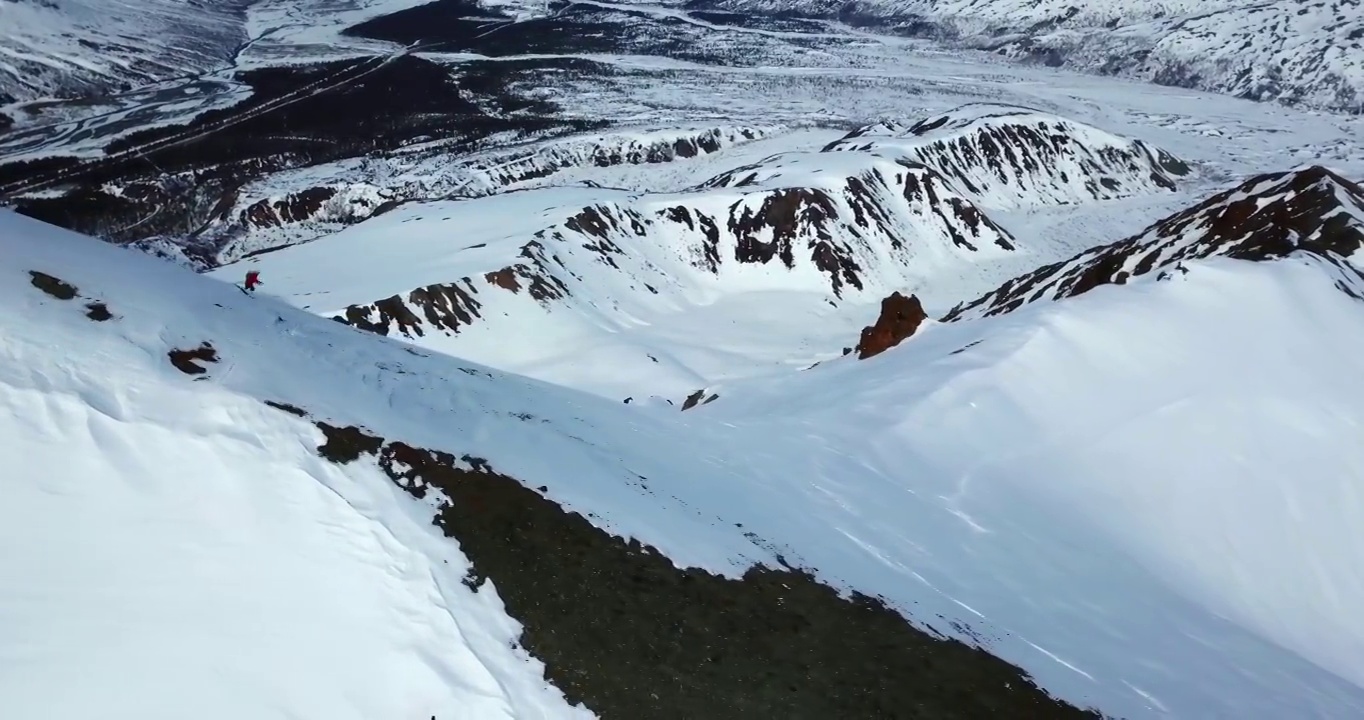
x=1299 y=51
x=1007 y=157
x=244 y=469
x=300 y=205
x=71 y=48
x=1309 y=212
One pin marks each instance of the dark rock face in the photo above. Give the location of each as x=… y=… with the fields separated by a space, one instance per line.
x=1265 y=218
x=295 y=207
x=449 y=306
x=626 y=633
x=1006 y=149
x=187 y=361
x=900 y=317
x=53 y=286
x=699 y=398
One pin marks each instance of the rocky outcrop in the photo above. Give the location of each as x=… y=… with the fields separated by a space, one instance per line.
x=292 y=208
x=899 y=319
x=1004 y=156
x=447 y=307
x=1268 y=217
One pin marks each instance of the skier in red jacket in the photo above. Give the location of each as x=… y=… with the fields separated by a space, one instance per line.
x=252 y=280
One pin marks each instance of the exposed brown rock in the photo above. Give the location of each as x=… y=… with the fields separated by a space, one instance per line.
x=294 y=207
x=187 y=361
x=504 y=278
x=1267 y=217
x=55 y=287
x=900 y=317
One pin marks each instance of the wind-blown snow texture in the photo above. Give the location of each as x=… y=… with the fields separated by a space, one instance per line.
x=1044 y=478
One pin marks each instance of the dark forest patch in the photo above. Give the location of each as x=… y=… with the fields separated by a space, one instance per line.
x=623 y=631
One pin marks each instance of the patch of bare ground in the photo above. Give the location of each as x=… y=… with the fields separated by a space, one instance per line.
x=56 y=287
x=53 y=286
x=187 y=361
x=628 y=634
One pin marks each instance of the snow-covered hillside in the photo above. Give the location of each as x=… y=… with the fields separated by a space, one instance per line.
x=1008 y=157
x=1312 y=211
x=300 y=205
x=1103 y=490
x=80 y=47
x=552 y=267
x=1300 y=51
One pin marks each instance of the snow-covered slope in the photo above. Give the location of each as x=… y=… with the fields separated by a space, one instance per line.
x=1302 y=51
x=1312 y=210
x=1104 y=490
x=77 y=47
x=1007 y=157
x=300 y=205
x=573 y=274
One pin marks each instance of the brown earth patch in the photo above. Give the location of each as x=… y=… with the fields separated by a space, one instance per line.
x=186 y=361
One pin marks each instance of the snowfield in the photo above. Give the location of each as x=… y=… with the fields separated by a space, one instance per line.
x=1105 y=490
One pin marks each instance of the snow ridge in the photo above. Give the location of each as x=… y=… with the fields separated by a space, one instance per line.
x=1006 y=157
x=1311 y=211
x=844 y=224
x=301 y=205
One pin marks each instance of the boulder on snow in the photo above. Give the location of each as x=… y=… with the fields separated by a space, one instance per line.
x=900 y=317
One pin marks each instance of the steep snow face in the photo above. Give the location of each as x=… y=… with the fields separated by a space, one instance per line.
x=1194 y=424
x=300 y=205
x=178 y=544
x=1270 y=216
x=1007 y=157
x=78 y=47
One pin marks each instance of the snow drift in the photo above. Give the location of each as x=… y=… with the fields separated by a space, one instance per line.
x=1006 y=157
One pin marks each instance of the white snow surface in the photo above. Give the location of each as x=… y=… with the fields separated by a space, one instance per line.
x=1147 y=496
